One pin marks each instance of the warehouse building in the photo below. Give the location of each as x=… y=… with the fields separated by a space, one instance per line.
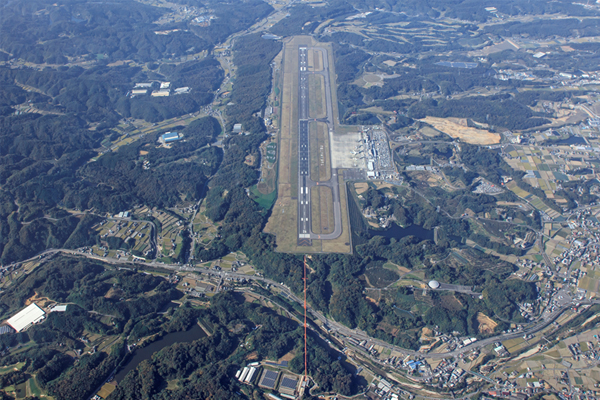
x=26 y=317
x=268 y=379
x=161 y=93
x=288 y=385
x=182 y=90
x=251 y=375
x=169 y=137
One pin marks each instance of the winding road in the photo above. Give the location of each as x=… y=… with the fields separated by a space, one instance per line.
x=336 y=328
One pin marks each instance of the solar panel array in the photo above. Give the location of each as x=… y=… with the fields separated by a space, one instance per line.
x=5 y=329
x=288 y=383
x=269 y=378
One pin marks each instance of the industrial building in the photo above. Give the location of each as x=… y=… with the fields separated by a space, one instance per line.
x=161 y=93
x=251 y=375
x=182 y=90
x=169 y=137
x=59 y=308
x=26 y=317
x=288 y=385
x=237 y=128
x=268 y=379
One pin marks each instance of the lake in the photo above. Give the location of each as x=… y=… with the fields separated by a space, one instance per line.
x=145 y=353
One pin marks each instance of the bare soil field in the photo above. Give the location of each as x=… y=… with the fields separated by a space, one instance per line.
x=453 y=128
x=361 y=187
x=486 y=324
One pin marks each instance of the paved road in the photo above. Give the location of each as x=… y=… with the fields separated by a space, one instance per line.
x=305 y=183
x=341 y=331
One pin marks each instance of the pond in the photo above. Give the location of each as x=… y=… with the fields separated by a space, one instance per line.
x=145 y=353
x=447 y=153
x=570 y=140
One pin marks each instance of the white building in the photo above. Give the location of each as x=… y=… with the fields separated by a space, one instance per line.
x=161 y=93
x=182 y=90
x=26 y=317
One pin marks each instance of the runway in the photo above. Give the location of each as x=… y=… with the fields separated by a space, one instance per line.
x=305 y=183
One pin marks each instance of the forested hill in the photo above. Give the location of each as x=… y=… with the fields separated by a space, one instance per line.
x=63 y=64
x=124 y=306
x=54 y=32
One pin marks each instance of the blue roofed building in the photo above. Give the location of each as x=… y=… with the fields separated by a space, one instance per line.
x=169 y=137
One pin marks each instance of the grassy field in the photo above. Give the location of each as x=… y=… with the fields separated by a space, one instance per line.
x=320 y=159
x=136 y=233
x=343 y=243
x=264 y=200
x=316 y=86
x=268 y=180
x=283 y=220
x=106 y=390
x=322 y=209
x=11 y=368
x=33 y=388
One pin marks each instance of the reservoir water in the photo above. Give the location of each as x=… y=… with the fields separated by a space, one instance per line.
x=571 y=140
x=194 y=333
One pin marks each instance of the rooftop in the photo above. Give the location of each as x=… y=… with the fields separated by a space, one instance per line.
x=26 y=317
x=169 y=137
x=288 y=383
x=269 y=379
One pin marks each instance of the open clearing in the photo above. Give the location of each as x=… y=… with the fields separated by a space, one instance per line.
x=453 y=128
x=486 y=324
x=361 y=187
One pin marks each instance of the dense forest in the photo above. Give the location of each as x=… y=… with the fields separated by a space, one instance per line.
x=46 y=157
x=48 y=162
x=57 y=32
x=132 y=300
x=335 y=285
x=45 y=166
x=99 y=94
x=303 y=19
x=253 y=56
x=469 y=11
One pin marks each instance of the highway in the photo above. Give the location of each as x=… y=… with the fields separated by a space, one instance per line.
x=305 y=183
x=338 y=329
